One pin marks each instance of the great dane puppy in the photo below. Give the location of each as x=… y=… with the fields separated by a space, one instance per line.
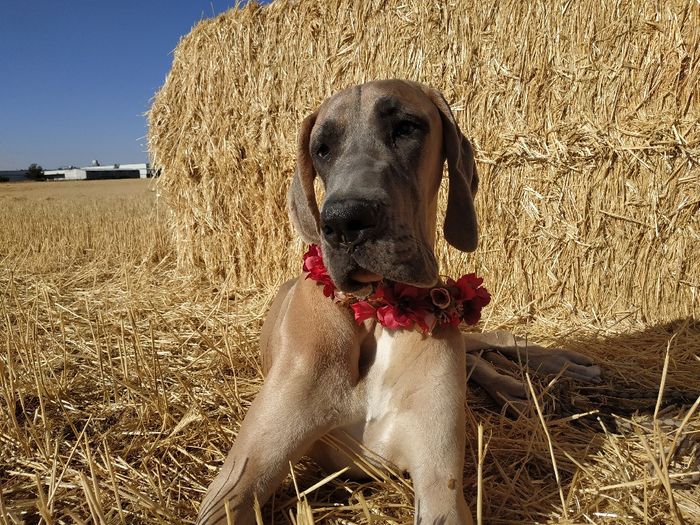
x=398 y=395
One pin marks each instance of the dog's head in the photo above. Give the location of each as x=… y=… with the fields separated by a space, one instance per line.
x=379 y=149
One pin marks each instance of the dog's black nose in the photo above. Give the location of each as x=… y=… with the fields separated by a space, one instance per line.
x=348 y=221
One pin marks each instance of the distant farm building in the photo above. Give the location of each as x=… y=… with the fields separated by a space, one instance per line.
x=112 y=171
x=12 y=175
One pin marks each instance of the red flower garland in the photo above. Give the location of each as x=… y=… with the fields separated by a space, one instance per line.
x=397 y=305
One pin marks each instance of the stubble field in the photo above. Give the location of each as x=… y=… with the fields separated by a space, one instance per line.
x=123 y=382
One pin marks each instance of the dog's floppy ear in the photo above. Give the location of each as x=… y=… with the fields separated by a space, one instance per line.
x=460 y=226
x=301 y=198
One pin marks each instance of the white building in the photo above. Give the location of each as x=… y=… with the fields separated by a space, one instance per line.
x=112 y=171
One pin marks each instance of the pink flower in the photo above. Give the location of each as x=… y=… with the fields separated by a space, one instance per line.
x=313 y=264
x=391 y=317
x=313 y=261
x=404 y=305
x=363 y=310
x=398 y=305
x=452 y=319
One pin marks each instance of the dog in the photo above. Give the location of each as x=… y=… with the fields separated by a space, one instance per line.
x=395 y=394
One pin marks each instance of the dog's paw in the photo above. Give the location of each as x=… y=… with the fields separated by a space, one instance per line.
x=570 y=364
x=553 y=361
x=504 y=389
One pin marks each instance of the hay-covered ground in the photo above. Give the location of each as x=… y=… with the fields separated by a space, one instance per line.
x=123 y=382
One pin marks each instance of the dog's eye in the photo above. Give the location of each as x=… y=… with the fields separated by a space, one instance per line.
x=323 y=151
x=404 y=128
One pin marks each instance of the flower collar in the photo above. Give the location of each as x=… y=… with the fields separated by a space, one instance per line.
x=397 y=305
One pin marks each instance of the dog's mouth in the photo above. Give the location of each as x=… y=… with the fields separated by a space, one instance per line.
x=357 y=271
x=363 y=276
x=358 y=280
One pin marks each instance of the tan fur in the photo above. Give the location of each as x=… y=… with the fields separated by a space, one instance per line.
x=397 y=395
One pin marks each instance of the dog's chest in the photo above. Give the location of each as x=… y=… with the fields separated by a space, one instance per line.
x=385 y=387
x=379 y=392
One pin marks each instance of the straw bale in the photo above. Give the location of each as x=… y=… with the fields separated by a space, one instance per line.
x=584 y=116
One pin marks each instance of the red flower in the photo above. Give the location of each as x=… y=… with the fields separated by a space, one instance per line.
x=478 y=297
x=397 y=305
x=453 y=318
x=363 y=310
x=313 y=264
x=483 y=296
x=313 y=261
x=466 y=286
x=472 y=312
x=391 y=317
x=403 y=295
x=404 y=306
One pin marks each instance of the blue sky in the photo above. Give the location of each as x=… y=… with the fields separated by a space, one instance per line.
x=76 y=76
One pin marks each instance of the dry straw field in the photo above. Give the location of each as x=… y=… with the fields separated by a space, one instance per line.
x=129 y=320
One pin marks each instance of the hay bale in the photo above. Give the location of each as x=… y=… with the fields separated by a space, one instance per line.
x=582 y=114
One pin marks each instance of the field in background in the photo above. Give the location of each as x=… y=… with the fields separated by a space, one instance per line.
x=123 y=382
x=53 y=225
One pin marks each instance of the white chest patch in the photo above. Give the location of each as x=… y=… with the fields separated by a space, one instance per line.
x=379 y=393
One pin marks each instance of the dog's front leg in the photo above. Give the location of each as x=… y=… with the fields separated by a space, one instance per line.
x=432 y=426
x=282 y=422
